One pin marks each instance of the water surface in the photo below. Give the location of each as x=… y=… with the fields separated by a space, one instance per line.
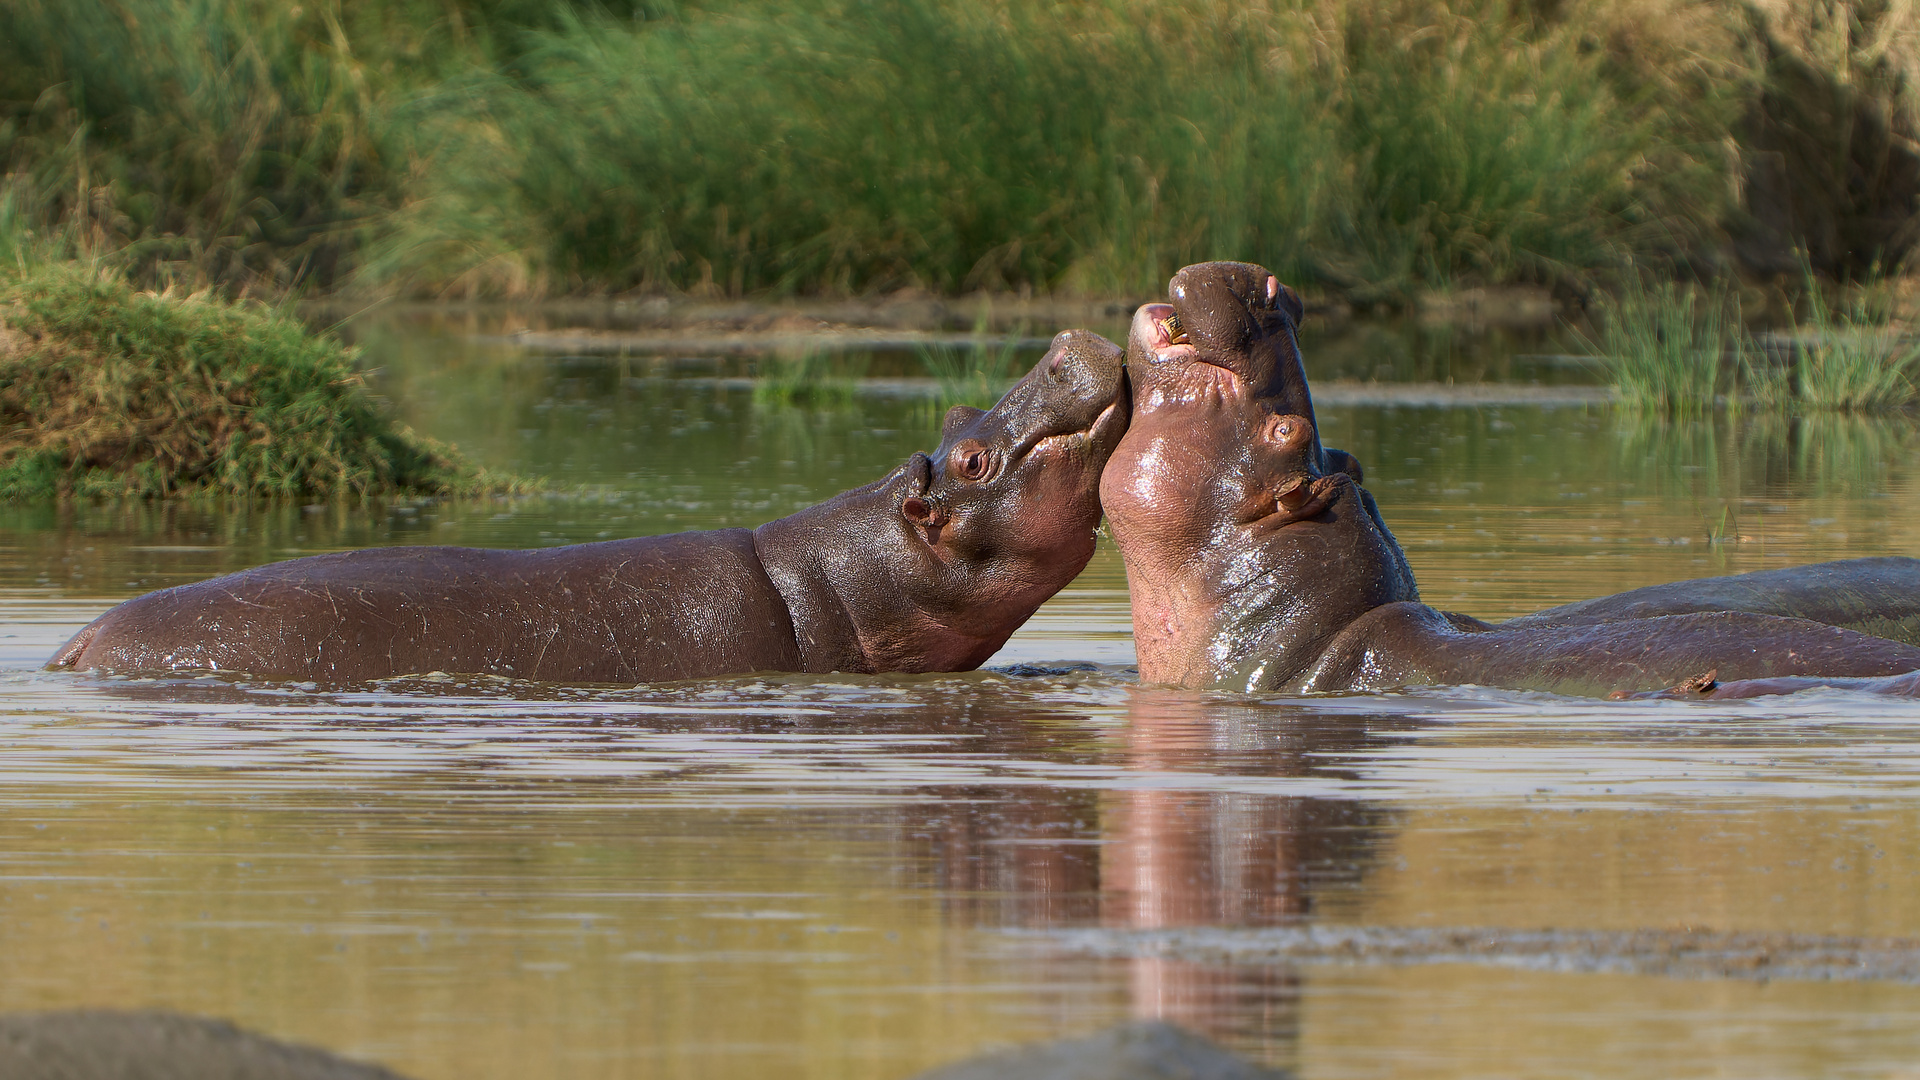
x=865 y=876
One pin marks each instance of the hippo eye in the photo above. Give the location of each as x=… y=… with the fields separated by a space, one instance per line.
x=972 y=462
x=1175 y=335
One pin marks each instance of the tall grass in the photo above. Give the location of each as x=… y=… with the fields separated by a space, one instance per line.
x=492 y=147
x=1667 y=346
x=231 y=141
x=1677 y=349
x=1487 y=146
x=812 y=377
x=870 y=144
x=1851 y=356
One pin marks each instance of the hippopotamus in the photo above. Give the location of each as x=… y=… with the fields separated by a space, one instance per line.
x=930 y=568
x=1254 y=564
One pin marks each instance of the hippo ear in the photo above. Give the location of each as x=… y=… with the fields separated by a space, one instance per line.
x=958 y=418
x=1285 y=299
x=1341 y=461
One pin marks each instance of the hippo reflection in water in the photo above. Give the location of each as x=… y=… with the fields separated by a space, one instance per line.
x=1255 y=563
x=930 y=569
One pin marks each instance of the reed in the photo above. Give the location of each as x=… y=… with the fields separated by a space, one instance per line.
x=1850 y=356
x=1666 y=346
x=969 y=375
x=810 y=378
x=877 y=144
x=511 y=147
x=1486 y=146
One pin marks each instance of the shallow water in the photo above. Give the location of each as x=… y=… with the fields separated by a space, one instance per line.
x=863 y=877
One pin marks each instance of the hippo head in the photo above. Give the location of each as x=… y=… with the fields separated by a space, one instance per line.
x=963 y=545
x=1240 y=532
x=1013 y=492
x=1222 y=416
x=1234 y=317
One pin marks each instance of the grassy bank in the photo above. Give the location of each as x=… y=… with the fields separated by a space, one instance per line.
x=504 y=147
x=107 y=391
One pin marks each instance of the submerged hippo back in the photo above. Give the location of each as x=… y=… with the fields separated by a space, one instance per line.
x=663 y=607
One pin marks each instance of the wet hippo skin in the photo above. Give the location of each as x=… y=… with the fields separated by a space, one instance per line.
x=1878 y=596
x=1253 y=566
x=931 y=568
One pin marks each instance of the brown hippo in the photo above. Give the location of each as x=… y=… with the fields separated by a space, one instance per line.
x=1252 y=566
x=928 y=569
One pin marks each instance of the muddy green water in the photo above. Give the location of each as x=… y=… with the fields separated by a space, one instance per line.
x=864 y=877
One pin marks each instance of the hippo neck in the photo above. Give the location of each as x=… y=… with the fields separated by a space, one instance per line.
x=854 y=588
x=1256 y=612
x=1347 y=566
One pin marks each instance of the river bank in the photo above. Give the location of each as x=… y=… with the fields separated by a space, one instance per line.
x=716 y=149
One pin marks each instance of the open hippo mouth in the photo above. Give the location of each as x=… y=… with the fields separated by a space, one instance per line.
x=1075 y=402
x=1103 y=434
x=1232 y=317
x=1192 y=332
x=1224 y=342
x=1167 y=366
x=1165 y=338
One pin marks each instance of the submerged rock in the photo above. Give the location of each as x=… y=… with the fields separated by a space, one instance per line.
x=1141 y=1050
x=104 y=1044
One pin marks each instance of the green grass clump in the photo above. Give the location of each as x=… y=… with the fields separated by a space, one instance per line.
x=1677 y=349
x=1665 y=346
x=1847 y=358
x=811 y=378
x=975 y=374
x=109 y=391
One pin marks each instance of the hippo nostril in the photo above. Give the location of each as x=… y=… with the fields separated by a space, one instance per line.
x=920 y=473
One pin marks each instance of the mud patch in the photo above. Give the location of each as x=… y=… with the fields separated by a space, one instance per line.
x=1679 y=954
